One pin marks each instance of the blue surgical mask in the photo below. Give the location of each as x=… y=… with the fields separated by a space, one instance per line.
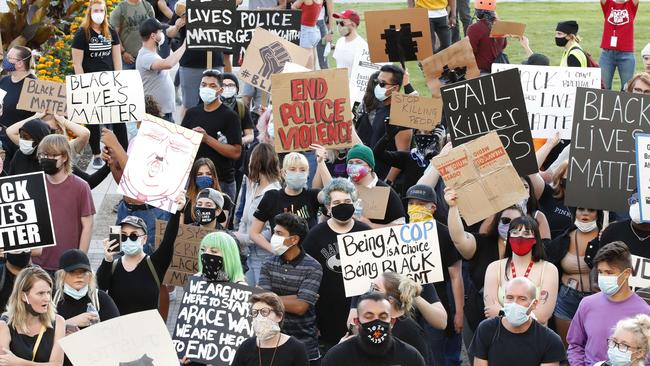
x=204 y=181
x=296 y=180
x=7 y=65
x=515 y=313
x=75 y=294
x=208 y=95
x=131 y=247
x=609 y=284
x=617 y=357
x=380 y=93
x=503 y=230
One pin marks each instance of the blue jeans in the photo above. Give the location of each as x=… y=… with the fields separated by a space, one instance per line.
x=126 y=66
x=610 y=60
x=149 y=216
x=320 y=47
x=567 y=303
x=230 y=189
x=255 y=259
x=309 y=36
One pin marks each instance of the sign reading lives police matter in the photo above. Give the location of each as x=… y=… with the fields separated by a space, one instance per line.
x=493 y=102
x=602 y=161
x=410 y=249
x=105 y=97
x=25 y=220
x=213 y=321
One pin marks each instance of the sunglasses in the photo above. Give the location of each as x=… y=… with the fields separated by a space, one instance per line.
x=382 y=83
x=505 y=220
x=340 y=22
x=132 y=236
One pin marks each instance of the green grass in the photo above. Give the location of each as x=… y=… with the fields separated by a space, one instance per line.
x=540 y=19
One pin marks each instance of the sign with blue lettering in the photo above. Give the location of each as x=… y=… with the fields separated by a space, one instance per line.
x=410 y=249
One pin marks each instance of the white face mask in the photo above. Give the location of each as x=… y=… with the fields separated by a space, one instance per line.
x=98 y=18
x=229 y=92
x=586 y=227
x=277 y=243
x=161 y=40
x=380 y=93
x=26 y=146
x=635 y=213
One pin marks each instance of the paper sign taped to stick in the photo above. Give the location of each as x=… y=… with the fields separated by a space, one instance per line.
x=312 y=108
x=105 y=97
x=267 y=55
x=550 y=93
x=398 y=35
x=602 y=159
x=483 y=176
x=417 y=112
x=160 y=159
x=213 y=321
x=25 y=218
x=502 y=28
x=362 y=70
x=640 y=272
x=134 y=339
x=643 y=174
x=374 y=201
x=453 y=62
x=43 y=96
x=185 y=262
x=493 y=102
x=412 y=250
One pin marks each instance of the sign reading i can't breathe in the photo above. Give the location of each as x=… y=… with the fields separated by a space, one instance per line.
x=25 y=220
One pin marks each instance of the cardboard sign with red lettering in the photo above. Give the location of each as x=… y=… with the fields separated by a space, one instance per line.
x=43 y=96
x=312 y=108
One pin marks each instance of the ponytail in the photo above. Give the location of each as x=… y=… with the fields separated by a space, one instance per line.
x=402 y=290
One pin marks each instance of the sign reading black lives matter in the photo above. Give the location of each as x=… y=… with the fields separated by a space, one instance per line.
x=602 y=161
x=25 y=220
x=213 y=321
x=493 y=102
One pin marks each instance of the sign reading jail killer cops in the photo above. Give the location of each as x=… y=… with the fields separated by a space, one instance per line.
x=43 y=96
x=643 y=174
x=412 y=250
x=185 y=262
x=398 y=35
x=105 y=97
x=213 y=321
x=312 y=108
x=268 y=54
x=417 y=112
x=483 y=176
x=602 y=161
x=550 y=93
x=640 y=272
x=25 y=219
x=493 y=102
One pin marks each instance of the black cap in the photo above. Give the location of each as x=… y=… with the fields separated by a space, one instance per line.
x=422 y=192
x=568 y=27
x=151 y=25
x=73 y=259
x=537 y=59
x=135 y=221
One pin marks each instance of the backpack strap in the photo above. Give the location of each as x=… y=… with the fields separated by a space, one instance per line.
x=240 y=109
x=153 y=271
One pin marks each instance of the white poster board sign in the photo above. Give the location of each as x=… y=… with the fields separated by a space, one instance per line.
x=362 y=69
x=640 y=272
x=643 y=174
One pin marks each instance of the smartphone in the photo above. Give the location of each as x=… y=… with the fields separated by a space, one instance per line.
x=114 y=234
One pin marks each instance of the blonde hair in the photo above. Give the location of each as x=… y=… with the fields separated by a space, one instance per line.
x=57 y=145
x=639 y=326
x=292 y=159
x=17 y=308
x=558 y=175
x=643 y=76
x=86 y=24
x=93 y=293
x=402 y=289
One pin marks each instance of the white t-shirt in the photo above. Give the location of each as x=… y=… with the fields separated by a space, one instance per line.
x=344 y=52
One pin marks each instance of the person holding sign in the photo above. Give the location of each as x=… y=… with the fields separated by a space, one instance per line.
x=629 y=343
x=617 y=44
x=30 y=329
x=486 y=49
x=566 y=36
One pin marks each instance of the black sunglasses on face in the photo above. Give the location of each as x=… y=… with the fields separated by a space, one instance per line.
x=505 y=220
x=132 y=236
x=340 y=22
x=382 y=83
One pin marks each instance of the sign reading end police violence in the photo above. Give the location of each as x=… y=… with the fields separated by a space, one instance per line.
x=25 y=221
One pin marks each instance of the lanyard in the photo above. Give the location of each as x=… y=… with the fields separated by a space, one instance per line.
x=514 y=271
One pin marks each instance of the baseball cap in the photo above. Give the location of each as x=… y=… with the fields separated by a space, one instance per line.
x=348 y=14
x=73 y=259
x=422 y=192
x=151 y=25
x=216 y=197
x=134 y=221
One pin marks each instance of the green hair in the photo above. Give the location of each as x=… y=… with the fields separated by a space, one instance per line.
x=230 y=251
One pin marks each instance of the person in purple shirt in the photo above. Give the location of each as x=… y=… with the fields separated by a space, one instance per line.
x=598 y=314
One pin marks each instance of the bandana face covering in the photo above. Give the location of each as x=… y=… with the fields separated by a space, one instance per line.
x=212 y=268
x=419 y=213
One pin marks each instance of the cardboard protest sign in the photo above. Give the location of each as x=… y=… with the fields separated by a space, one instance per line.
x=643 y=174
x=640 y=272
x=134 y=339
x=268 y=54
x=213 y=320
x=493 y=102
x=312 y=108
x=185 y=262
x=374 y=201
x=362 y=70
x=290 y=67
x=602 y=159
x=550 y=93
x=160 y=159
x=417 y=112
x=25 y=219
x=105 y=97
x=502 y=28
x=483 y=176
x=455 y=60
x=43 y=96
x=412 y=250
x=398 y=35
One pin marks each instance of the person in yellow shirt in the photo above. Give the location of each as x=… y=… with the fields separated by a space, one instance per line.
x=440 y=20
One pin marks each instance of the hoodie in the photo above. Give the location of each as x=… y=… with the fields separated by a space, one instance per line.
x=21 y=163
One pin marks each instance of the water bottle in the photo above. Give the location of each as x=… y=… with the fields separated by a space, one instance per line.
x=221 y=138
x=90 y=308
x=358 y=208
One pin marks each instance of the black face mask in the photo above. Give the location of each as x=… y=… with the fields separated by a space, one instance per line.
x=20 y=260
x=213 y=268
x=375 y=336
x=561 y=41
x=343 y=212
x=205 y=215
x=48 y=165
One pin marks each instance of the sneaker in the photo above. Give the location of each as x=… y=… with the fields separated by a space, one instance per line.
x=97 y=162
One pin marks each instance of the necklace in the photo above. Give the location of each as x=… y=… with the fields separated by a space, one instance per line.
x=259 y=350
x=637 y=235
x=514 y=271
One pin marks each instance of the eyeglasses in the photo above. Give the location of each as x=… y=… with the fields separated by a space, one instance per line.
x=47 y=156
x=264 y=311
x=382 y=84
x=621 y=347
x=633 y=199
x=132 y=236
x=521 y=233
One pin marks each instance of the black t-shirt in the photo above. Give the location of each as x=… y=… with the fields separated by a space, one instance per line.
x=157 y=13
x=292 y=353
x=98 y=51
x=338 y=168
x=194 y=58
x=407 y=330
x=223 y=120
x=622 y=230
x=333 y=307
x=394 y=208
x=449 y=256
x=537 y=345
x=277 y=201
x=487 y=251
x=10 y=114
x=246 y=120
x=7 y=287
x=351 y=353
x=557 y=213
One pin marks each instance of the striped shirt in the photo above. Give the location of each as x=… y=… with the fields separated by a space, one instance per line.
x=301 y=277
